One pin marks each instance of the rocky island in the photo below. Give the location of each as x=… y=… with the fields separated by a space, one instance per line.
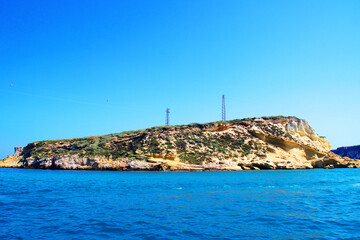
x=242 y=144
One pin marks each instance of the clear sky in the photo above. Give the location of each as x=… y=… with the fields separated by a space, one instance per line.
x=82 y=68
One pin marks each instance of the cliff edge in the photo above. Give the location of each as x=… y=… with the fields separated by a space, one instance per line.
x=243 y=144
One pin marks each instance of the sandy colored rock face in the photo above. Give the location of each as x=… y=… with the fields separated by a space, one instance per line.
x=10 y=162
x=258 y=143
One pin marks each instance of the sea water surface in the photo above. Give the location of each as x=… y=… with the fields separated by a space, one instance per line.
x=297 y=204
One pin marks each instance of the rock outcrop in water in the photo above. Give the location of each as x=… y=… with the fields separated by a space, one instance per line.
x=244 y=144
x=350 y=152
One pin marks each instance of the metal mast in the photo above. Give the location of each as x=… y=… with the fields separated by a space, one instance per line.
x=223 y=111
x=168 y=116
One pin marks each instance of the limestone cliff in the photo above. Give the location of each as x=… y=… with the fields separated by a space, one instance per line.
x=244 y=144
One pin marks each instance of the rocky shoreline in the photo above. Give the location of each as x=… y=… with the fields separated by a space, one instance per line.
x=75 y=163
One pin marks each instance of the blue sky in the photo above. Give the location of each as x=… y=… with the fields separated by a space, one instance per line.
x=82 y=68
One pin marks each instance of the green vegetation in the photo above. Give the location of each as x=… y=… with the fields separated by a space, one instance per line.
x=273 y=117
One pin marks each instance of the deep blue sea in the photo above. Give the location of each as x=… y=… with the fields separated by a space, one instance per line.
x=297 y=204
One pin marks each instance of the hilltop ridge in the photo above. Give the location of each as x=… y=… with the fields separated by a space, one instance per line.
x=242 y=144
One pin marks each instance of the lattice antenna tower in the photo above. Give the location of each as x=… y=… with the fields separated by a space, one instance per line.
x=223 y=111
x=168 y=116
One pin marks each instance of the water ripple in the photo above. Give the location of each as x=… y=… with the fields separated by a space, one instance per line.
x=309 y=204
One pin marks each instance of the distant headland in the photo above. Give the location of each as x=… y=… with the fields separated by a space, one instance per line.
x=350 y=151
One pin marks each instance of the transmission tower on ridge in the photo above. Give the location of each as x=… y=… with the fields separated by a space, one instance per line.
x=168 y=116
x=223 y=111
